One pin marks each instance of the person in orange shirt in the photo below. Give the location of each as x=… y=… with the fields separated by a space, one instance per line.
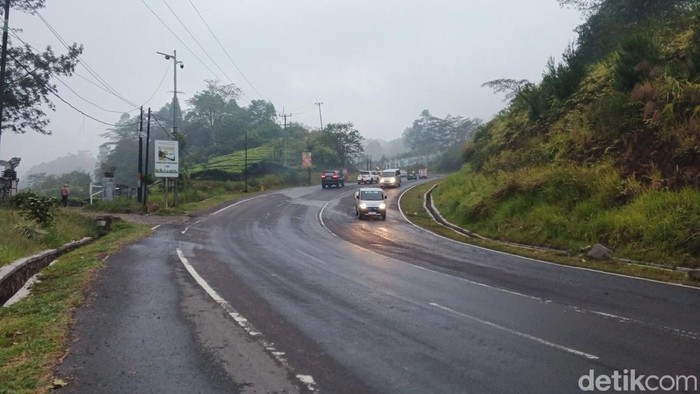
x=64 y=195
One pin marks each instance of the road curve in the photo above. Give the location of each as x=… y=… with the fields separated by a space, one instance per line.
x=383 y=306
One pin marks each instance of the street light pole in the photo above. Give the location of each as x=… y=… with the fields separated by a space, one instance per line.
x=175 y=107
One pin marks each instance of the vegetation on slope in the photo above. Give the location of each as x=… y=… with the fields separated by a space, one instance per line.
x=606 y=148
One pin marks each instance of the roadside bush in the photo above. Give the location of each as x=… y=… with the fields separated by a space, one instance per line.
x=29 y=230
x=35 y=207
x=270 y=181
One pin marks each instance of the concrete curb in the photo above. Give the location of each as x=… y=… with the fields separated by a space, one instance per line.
x=15 y=275
x=435 y=215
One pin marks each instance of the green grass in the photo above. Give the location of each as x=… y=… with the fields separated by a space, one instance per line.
x=34 y=331
x=571 y=207
x=235 y=162
x=21 y=237
x=197 y=195
x=412 y=206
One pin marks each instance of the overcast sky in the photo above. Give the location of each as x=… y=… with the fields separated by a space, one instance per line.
x=376 y=63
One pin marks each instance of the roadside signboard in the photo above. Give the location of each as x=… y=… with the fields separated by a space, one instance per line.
x=167 y=159
x=306 y=160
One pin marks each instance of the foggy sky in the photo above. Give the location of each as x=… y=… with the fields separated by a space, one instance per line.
x=376 y=63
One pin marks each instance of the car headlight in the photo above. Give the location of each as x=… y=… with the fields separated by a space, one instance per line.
x=382 y=206
x=363 y=206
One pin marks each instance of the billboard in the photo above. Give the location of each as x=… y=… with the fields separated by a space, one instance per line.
x=306 y=160
x=167 y=159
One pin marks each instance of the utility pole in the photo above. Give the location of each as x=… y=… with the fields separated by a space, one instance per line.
x=139 y=192
x=245 y=164
x=148 y=143
x=175 y=108
x=3 y=59
x=284 y=136
x=319 y=114
x=285 y=116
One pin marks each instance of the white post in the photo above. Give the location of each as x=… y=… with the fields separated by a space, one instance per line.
x=92 y=185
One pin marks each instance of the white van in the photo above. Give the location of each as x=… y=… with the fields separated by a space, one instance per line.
x=369 y=201
x=390 y=178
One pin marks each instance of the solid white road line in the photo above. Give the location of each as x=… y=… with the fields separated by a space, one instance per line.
x=518 y=333
x=307 y=380
x=536 y=260
x=223 y=209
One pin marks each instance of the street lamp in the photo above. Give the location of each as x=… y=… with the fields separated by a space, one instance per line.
x=175 y=106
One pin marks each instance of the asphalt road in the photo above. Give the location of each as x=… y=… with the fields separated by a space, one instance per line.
x=289 y=291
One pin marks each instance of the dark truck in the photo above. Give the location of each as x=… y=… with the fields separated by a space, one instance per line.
x=332 y=178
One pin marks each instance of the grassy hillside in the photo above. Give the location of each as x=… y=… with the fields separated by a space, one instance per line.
x=606 y=148
x=234 y=162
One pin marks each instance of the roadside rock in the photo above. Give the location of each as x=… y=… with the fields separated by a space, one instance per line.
x=599 y=252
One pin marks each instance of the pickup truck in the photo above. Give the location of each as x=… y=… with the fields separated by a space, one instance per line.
x=367 y=177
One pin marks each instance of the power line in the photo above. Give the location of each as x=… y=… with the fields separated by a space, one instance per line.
x=157 y=89
x=53 y=91
x=153 y=115
x=302 y=110
x=225 y=51
x=78 y=110
x=90 y=82
x=196 y=41
x=105 y=85
x=181 y=42
x=86 y=100
x=61 y=81
x=165 y=74
x=84 y=63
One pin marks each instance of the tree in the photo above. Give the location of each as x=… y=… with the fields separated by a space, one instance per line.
x=214 y=123
x=344 y=140
x=28 y=81
x=121 y=150
x=511 y=87
x=50 y=185
x=262 y=126
x=430 y=134
x=633 y=8
x=608 y=21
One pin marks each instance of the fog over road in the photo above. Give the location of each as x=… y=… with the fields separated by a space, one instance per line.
x=304 y=296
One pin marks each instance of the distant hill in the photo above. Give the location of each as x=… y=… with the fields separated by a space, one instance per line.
x=81 y=161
